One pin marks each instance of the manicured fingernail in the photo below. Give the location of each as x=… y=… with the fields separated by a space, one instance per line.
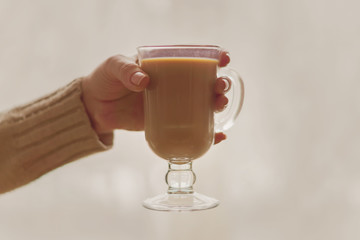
x=224 y=85
x=227 y=57
x=137 y=78
x=225 y=101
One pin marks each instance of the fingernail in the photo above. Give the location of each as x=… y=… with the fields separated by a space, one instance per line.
x=226 y=101
x=227 y=57
x=224 y=85
x=137 y=78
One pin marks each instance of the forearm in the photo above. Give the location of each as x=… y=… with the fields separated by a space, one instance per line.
x=45 y=134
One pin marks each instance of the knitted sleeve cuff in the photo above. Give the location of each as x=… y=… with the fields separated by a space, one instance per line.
x=49 y=132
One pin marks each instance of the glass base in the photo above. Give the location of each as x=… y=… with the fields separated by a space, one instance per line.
x=180 y=202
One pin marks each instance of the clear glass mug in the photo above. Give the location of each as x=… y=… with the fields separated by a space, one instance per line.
x=179 y=115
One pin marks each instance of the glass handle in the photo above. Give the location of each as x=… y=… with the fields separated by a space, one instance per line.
x=226 y=119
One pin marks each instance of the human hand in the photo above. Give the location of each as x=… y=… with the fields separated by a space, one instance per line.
x=113 y=97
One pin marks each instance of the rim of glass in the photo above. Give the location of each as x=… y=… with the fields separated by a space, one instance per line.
x=180 y=46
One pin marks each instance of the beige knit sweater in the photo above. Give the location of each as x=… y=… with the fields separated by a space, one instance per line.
x=45 y=134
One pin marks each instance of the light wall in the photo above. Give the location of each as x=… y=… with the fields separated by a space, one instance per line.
x=290 y=168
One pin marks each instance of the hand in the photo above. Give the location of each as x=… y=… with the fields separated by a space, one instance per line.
x=113 y=98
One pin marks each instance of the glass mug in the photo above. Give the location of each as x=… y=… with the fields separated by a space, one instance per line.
x=179 y=115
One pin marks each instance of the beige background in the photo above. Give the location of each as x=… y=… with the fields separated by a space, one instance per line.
x=290 y=168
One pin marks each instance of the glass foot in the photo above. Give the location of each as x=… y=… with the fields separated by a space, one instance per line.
x=180 y=202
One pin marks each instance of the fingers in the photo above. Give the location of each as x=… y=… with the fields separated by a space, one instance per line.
x=221 y=87
x=220 y=103
x=128 y=72
x=219 y=137
x=224 y=58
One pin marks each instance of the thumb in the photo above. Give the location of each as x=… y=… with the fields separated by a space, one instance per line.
x=128 y=72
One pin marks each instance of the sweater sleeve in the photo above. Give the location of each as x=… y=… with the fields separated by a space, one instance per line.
x=45 y=134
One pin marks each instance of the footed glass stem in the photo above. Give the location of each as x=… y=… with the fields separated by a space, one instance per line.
x=180 y=195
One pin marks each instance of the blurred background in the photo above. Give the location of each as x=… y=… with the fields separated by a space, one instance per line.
x=290 y=167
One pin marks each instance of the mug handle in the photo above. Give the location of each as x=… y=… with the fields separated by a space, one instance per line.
x=235 y=88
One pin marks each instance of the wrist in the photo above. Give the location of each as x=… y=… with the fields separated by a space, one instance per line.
x=90 y=103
